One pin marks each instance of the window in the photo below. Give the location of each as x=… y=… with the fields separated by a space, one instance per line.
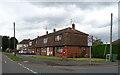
x=45 y=40
x=36 y=41
x=43 y=49
x=58 y=37
x=30 y=43
x=37 y=50
x=59 y=50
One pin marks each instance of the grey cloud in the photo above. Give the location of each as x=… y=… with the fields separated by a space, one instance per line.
x=82 y=5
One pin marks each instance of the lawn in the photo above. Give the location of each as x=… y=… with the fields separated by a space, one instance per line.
x=47 y=57
x=14 y=58
x=98 y=60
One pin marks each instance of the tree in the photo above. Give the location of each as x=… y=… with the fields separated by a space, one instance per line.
x=97 y=41
x=12 y=42
x=8 y=42
x=5 y=42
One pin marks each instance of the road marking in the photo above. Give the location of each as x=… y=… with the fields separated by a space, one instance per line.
x=27 y=68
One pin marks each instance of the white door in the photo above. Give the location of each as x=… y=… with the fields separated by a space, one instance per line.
x=48 y=51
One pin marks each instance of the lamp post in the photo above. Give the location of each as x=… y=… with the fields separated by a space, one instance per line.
x=14 y=40
x=111 y=37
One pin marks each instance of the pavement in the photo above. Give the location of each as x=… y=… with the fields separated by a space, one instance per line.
x=32 y=65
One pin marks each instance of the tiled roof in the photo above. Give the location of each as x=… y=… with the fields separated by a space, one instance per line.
x=116 y=41
x=69 y=30
x=25 y=41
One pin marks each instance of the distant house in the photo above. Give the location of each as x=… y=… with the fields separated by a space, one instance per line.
x=25 y=44
x=67 y=42
x=116 y=41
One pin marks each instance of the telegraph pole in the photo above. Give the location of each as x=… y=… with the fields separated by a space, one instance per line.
x=14 y=40
x=111 y=36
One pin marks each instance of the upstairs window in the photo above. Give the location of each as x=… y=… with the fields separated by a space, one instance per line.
x=36 y=41
x=30 y=43
x=58 y=37
x=45 y=40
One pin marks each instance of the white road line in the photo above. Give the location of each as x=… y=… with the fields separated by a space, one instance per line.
x=27 y=68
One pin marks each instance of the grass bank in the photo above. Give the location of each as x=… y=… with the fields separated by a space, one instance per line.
x=47 y=57
x=14 y=58
x=97 y=60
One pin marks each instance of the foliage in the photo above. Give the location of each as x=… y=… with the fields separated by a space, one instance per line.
x=83 y=53
x=12 y=42
x=8 y=43
x=5 y=42
x=97 y=41
x=99 y=51
x=14 y=58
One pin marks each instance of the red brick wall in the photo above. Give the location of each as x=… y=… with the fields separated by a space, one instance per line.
x=74 y=51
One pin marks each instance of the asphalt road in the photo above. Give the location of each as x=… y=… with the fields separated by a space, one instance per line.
x=9 y=66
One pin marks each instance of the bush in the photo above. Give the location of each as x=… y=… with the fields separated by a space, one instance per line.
x=83 y=53
x=100 y=51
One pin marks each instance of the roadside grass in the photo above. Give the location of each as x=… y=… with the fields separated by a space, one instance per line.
x=47 y=57
x=97 y=60
x=14 y=58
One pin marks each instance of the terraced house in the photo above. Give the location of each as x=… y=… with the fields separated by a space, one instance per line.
x=67 y=42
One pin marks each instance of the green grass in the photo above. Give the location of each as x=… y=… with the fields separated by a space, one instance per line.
x=97 y=60
x=47 y=57
x=14 y=58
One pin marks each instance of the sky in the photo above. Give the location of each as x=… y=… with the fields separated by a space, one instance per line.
x=32 y=19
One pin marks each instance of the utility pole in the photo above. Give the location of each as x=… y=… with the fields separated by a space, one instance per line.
x=14 y=40
x=111 y=36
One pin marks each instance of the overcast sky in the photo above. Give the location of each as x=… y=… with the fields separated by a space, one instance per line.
x=32 y=18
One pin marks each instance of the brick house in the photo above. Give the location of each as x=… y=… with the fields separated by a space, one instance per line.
x=25 y=44
x=69 y=40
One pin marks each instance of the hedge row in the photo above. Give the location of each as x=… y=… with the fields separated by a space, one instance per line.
x=100 y=51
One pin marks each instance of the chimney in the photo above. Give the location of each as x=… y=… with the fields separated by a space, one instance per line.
x=46 y=32
x=73 y=26
x=54 y=30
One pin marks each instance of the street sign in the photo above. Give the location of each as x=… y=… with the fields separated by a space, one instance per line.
x=64 y=52
x=90 y=37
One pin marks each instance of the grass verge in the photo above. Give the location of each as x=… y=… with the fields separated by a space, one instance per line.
x=47 y=57
x=97 y=60
x=14 y=58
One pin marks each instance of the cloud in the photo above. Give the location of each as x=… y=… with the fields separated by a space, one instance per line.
x=32 y=18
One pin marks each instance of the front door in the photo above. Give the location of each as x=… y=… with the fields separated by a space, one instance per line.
x=53 y=51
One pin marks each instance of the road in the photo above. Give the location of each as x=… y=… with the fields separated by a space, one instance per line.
x=9 y=66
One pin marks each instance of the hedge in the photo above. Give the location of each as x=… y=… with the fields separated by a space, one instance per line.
x=100 y=51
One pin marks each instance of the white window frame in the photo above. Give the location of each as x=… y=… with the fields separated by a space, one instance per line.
x=45 y=40
x=58 y=37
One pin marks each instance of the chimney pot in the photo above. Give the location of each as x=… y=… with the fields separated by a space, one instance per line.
x=46 y=32
x=54 y=30
x=73 y=26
